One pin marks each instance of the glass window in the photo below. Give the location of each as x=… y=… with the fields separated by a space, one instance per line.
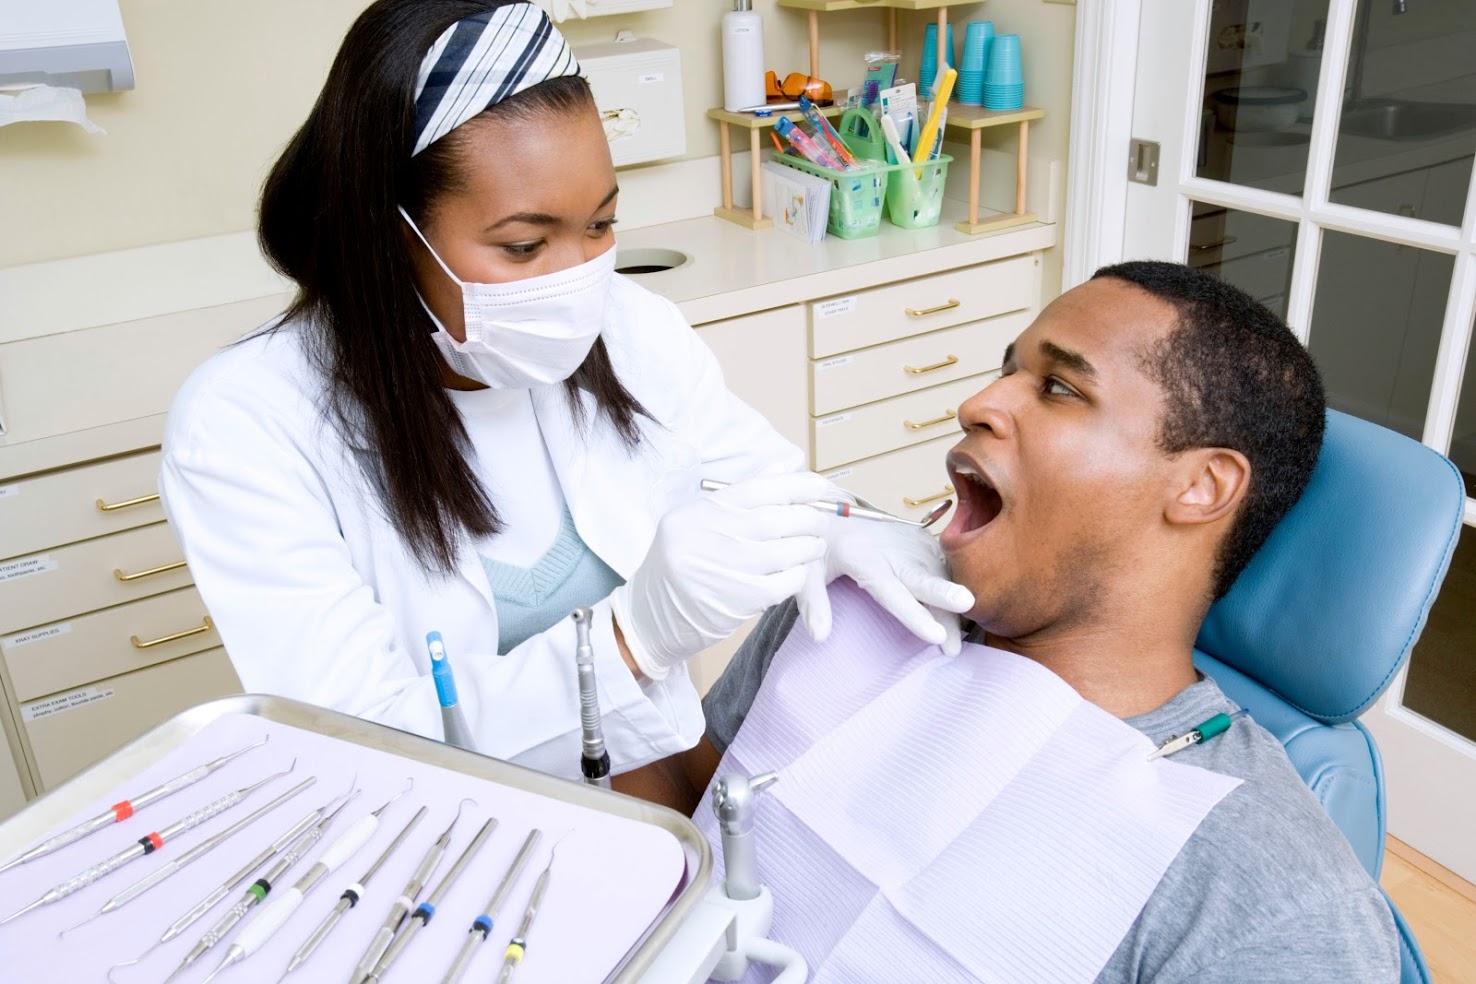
x=1251 y=251
x=1442 y=673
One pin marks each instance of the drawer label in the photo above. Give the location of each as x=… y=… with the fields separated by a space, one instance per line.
x=835 y=308
x=840 y=360
x=38 y=709
x=839 y=474
x=26 y=566
x=36 y=635
x=10 y=491
x=652 y=78
x=839 y=418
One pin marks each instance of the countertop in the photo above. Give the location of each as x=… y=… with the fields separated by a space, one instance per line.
x=733 y=271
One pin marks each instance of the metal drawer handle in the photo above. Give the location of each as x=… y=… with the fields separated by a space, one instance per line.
x=953 y=302
x=165 y=569
x=952 y=360
x=205 y=627
x=947 y=416
x=1214 y=245
x=141 y=500
x=914 y=503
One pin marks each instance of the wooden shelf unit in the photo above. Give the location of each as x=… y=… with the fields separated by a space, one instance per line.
x=972 y=119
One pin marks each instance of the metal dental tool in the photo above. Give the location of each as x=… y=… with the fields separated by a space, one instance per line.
x=481 y=927
x=426 y=911
x=124 y=809
x=846 y=509
x=260 y=889
x=199 y=909
x=406 y=901
x=193 y=854
x=518 y=945
x=453 y=721
x=147 y=844
x=734 y=800
x=594 y=759
x=274 y=914
x=349 y=898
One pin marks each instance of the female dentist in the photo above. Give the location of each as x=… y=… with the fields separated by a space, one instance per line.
x=465 y=422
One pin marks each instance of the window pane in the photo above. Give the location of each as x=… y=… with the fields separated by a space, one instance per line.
x=1259 y=91
x=1251 y=251
x=1409 y=107
x=1376 y=321
x=1442 y=671
x=1463 y=439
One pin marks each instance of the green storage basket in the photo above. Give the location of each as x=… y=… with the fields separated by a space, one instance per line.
x=856 y=197
x=915 y=193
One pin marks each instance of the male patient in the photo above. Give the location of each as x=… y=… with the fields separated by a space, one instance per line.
x=1148 y=431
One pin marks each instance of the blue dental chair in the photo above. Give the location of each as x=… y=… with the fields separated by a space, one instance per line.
x=1328 y=611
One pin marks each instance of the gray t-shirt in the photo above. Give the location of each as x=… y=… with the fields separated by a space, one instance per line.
x=1266 y=890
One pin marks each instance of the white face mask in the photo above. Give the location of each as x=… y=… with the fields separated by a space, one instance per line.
x=526 y=333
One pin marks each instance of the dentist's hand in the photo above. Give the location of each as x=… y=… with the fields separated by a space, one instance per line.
x=901 y=567
x=718 y=561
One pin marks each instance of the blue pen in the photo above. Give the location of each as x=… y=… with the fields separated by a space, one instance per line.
x=454 y=722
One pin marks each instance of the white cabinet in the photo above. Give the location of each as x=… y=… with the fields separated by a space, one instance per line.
x=763 y=361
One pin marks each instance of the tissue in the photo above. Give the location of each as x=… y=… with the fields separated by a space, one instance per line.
x=46 y=103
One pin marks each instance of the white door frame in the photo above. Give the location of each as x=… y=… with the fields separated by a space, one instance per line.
x=1100 y=201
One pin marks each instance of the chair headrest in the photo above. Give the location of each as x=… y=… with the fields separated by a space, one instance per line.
x=1329 y=608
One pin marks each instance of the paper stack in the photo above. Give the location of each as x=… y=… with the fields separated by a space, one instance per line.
x=799 y=203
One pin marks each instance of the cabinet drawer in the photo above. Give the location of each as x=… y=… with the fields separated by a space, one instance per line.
x=907 y=483
x=912 y=363
x=891 y=424
x=1222 y=234
x=68 y=654
x=91 y=575
x=840 y=324
x=1261 y=275
x=68 y=732
x=67 y=506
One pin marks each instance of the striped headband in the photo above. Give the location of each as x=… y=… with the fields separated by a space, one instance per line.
x=480 y=61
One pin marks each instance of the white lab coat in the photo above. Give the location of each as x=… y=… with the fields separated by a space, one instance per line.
x=317 y=598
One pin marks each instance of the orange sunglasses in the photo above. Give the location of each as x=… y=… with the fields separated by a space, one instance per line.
x=798 y=84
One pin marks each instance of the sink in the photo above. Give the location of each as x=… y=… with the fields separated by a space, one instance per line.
x=1398 y=119
x=636 y=262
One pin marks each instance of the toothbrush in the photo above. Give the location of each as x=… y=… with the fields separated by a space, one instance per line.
x=807 y=145
x=924 y=150
x=894 y=140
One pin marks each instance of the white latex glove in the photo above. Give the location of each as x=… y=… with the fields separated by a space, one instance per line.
x=902 y=567
x=718 y=561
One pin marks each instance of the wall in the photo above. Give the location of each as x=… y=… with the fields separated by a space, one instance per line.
x=221 y=88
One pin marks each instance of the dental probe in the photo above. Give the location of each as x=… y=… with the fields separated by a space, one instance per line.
x=481 y=927
x=124 y=809
x=518 y=945
x=195 y=853
x=199 y=909
x=847 y=510
x=594 y=758
x=426 y=911
x=274 y=914
x=259 y=890
x=349 y=898
x=147 y=844
x=406 y=901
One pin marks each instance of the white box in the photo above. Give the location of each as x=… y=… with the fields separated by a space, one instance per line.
x=645 y=77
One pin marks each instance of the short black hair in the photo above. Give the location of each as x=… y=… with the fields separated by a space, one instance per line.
x=1233 y=376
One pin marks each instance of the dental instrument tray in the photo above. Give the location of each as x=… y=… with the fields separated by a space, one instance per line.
x=626 y=874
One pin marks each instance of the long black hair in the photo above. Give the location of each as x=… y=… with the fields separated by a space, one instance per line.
x=329 y=221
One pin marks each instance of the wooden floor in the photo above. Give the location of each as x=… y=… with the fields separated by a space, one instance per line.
x=1440 y=908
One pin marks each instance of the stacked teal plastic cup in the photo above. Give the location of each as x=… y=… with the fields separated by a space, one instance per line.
x=928 y=72
x=977 y=39
x=1004 y=80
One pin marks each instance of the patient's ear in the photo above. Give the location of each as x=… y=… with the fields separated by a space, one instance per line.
x=1212 y=481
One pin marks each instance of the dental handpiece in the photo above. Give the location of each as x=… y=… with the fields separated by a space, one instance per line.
x=193 y=854
x=481 y=927
x=274 y=914
x=426 y=911
x=402 y=905
x=349 y=898
x=147 y=844
x=594 y=758
x=124 y=809
x=453 y=720
x=851 y=511
x=259 y=890
x=193 y=914
x=735 y=801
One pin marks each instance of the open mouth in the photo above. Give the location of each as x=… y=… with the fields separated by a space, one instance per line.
x=979 y=502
